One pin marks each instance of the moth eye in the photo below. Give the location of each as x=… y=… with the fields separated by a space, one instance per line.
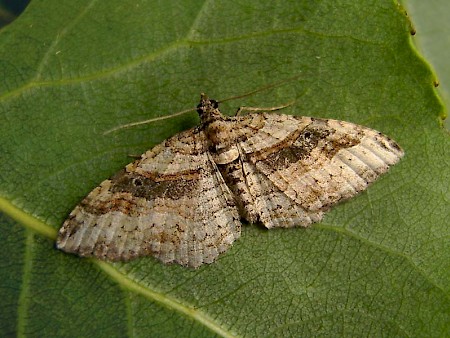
x=215 y=104
x=307 y=134
x=137 y=182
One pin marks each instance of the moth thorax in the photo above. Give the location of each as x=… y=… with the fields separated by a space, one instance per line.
x=219 y=131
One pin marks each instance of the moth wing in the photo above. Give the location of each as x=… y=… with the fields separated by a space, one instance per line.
x=298 y=167
x=172 y=204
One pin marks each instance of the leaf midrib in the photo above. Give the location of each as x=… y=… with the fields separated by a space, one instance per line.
x=123 y=281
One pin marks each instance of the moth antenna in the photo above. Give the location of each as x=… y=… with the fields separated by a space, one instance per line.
x=269 y=86
x=133 y=124
x=266 y=109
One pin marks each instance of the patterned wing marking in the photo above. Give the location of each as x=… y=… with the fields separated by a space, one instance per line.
x=314 y=166
x=172 y=204
x=273 y=207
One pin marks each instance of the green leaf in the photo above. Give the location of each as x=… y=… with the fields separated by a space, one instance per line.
x=431 y=23
x=377 y=265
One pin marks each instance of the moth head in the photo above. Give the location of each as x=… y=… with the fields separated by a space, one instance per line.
x=208 y=109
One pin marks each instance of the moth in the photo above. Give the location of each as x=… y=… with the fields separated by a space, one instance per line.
x=183 y=201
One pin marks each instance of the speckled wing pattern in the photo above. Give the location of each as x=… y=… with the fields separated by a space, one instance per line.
x=293 y=169
x=172 y=204
x=183 y=200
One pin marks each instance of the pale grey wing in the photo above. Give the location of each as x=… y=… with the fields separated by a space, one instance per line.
x=171 y=204
x=298 y=167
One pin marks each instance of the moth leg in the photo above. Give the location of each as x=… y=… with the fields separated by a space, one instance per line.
x=259 y=109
